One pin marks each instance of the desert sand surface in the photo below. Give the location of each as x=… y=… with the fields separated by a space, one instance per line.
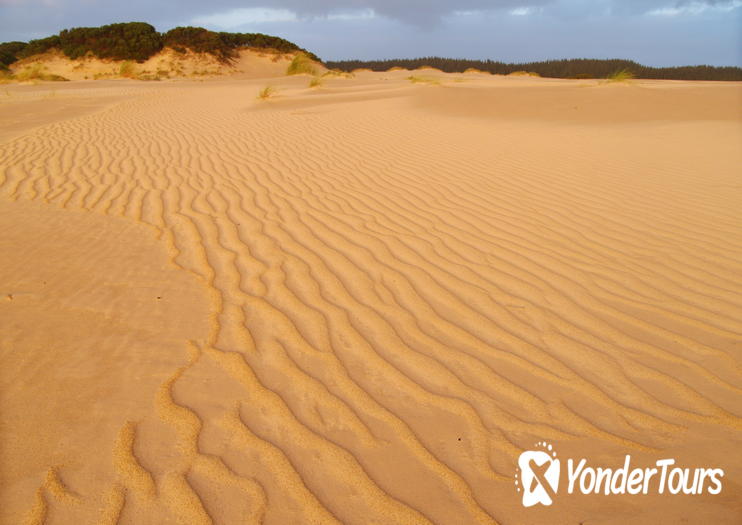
x=359 y=303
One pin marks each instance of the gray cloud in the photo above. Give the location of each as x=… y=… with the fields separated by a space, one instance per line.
x=553 y=29
x=418 y=12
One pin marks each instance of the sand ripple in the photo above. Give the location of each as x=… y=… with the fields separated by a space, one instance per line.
x=402 y=300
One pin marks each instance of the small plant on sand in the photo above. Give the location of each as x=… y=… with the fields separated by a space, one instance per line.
x=422 y=80
x=127 y=70
x=301 y=64
x=623 y=75
x=266 y=93
x=315 y=82
x=336 y=73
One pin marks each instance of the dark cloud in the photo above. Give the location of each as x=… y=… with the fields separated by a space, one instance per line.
x=418 y=12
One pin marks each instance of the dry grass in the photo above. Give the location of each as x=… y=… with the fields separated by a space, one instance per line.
x=423 y=80
x=315 y=82
x=302 y=65
x=267 y=92
x=37 y=72
x=524 y=74
x=336 y=73
x=624 y=75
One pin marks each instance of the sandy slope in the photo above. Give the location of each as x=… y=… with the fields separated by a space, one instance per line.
x=360 y=303
x=251 y=63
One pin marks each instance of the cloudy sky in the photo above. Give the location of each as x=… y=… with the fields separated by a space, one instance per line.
x=654 y=32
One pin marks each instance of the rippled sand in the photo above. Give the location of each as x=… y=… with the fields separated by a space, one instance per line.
x=361 y=303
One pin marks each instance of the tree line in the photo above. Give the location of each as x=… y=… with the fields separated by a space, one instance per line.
x=139 y=41
x=568 y=68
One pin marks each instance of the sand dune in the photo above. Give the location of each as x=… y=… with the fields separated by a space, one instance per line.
x=248 y=63
x=360 y=303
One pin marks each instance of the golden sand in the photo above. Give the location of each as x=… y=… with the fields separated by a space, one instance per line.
x=361 y=303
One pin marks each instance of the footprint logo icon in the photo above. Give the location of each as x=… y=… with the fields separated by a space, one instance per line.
x=537 y=477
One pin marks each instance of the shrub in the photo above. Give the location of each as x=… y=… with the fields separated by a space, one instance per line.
x=138 y=41
x=315 y=82
x=36 y=47
x=261 y=41
x=199 y=40
x=9 y=52
x=133 y=41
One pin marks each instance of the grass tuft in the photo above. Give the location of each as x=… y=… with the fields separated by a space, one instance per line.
x=266 y=93
x=337 y=73
x=622 y=75
x=301 y=65
x=422 y=80
x=316 y=82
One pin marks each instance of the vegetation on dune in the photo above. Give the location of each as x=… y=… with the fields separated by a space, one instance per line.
x=315 y=82
x=621 y=76
x=199 y=40
x=138 y=41
x=128 y=70
x=133 y=41
x=422 y=80
x=572 y=68
x=302 y=64
x=261 y=41
x=9 y=53
x=267 y=92
x=36 y=72
x=337 y=73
